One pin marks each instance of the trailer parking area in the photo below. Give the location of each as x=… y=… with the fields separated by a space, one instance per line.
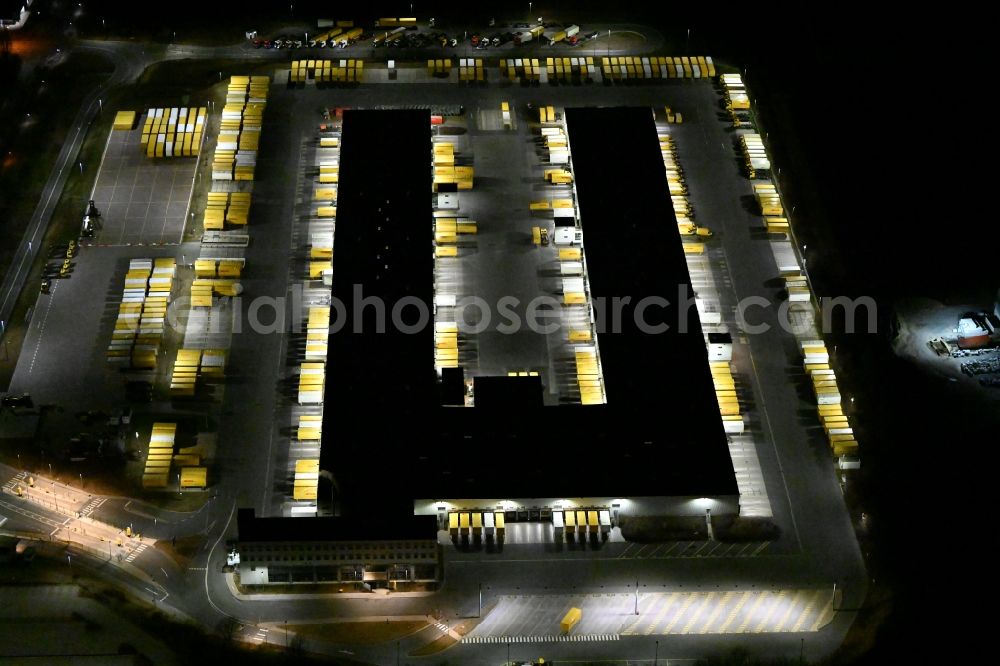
x=63 y=364
x=142 y=201
x=536 y=618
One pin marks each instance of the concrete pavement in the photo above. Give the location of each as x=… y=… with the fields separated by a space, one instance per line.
x=818 y=545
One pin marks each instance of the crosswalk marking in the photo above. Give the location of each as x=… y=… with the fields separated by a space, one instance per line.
x=92 y=506
x=572 y=638
x=136 y=552
x=14 y=481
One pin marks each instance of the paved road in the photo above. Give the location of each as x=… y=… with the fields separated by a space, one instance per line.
x=126 y=68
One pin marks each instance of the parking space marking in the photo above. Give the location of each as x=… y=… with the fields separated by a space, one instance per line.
x=41 y=328
x=721 y=606
x=775 y=603
x=793 y=605
x=698 y=611
x=690 y=598
x=557 y=638
x=734 y=612
x=752 y=612
x=824 y=617
x=659 y=616
x=807 y=611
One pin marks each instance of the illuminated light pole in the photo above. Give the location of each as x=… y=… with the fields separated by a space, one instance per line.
x=636 y=597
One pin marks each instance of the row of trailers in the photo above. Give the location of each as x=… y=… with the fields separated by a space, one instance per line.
x=492 y=525
x=816 y=359
x=617 y=68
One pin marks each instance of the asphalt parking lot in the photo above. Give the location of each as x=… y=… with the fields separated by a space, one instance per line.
x=609 y=616
x=63 y=362
x=142 y=200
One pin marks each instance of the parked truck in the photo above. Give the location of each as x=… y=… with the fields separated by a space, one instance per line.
x=349 y=37
x=570 y=620
x=386 y=36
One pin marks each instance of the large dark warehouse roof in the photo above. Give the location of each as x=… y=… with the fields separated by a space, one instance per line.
x=386 y=436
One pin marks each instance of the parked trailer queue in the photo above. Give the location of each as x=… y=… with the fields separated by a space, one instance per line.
x=138 y=333
x=173 y=132
x=161 y=456
x=835 y=423
x=307 y=418
x=561 y=206
x=347 y=70
x=452 y=173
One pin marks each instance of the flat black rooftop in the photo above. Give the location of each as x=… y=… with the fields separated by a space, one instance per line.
x=379 y=379
x=660 y=381
x=330 y=528
x=386 y=438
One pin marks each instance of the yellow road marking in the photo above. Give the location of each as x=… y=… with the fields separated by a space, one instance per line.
x=770 y=611
x=733 y=613
x=696 y=614
x=717 y=612
x=687 y=604
x=792 y=605
x=814 y=599
x=753 y=609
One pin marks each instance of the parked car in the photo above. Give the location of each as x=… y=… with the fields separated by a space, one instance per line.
x=17 y=400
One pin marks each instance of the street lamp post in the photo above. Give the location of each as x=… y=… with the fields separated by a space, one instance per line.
x=636 y=597
x=656 y=654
